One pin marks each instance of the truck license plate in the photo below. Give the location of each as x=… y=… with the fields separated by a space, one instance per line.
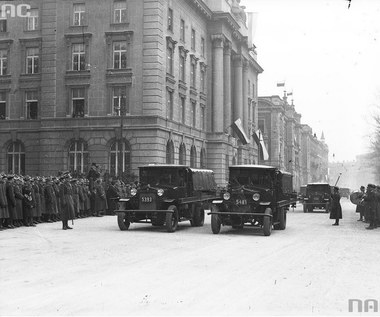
x=146 y=199
x=241 y=201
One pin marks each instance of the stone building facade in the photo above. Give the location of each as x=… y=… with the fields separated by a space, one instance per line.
x=291 y=145
x=126 y=83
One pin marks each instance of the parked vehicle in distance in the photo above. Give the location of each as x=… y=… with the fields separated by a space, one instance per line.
x=301 y=193
x=318 y=196
x=345 y=192
x=256 y=195
x=166 y=195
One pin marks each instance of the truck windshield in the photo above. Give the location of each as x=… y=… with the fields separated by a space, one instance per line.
x=159 y=176
x=246 y=177
x=318 y=188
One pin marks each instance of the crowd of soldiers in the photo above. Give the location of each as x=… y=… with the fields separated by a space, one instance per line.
x=369 y=206
x=28 y=201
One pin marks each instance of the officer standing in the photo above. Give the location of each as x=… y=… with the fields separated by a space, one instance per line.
x=336 y=208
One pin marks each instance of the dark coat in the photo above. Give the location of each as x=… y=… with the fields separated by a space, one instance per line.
x=111 y=194
x=19 y=199
x=100 y=198
x=336 y=208
x=67 y=203
x=11 y=199
x=28 y=202
x=3 y=201
x=50 y=199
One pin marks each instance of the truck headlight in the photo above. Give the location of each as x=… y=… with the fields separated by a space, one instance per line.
x=256 y=196
x=160 y=192
x=133 y=192
x=226 y=196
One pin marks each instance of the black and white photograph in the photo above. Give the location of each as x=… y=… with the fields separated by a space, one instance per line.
x=189 y=157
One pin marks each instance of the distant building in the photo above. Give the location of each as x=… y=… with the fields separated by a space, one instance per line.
x=126 y=83
x=291 y=145
x=353 y=174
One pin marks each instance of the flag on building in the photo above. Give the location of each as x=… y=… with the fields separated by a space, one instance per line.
x=282 y=84
x=258 y=137
x=239 y=130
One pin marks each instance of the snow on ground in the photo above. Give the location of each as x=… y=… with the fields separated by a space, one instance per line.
x=311 y=268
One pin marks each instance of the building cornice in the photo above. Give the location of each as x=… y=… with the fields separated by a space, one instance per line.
x=202 y=8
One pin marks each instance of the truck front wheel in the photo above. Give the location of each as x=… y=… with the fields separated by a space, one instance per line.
x=172 y=219
x=267 y=223
x=123 y=221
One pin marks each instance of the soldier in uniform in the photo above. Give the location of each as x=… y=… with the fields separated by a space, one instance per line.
x=112 y=196
x=75 y=189
x=4 y=214
x=100 y=198
x=67 y=203
x=19 y=201
x=50 y=200
x=360 y=208
x=28 y=202
x=370 y=200
x=92 y=176
x=336 y=208
x=11 y=199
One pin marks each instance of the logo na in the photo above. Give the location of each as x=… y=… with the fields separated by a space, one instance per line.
x=356 y=306
x=20 y=10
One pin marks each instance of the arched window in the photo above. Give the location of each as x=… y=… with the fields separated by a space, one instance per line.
x=193 y=157
x=120 y=157
x=78 y=156
x=170 y=152
x=16 y=158
x=182 y=154
x=203 y=158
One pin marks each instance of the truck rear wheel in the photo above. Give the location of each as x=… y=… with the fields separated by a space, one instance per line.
x=198 y=217
x=172 y=219
x=123 y=221
x=281 y=219
x=267 y=223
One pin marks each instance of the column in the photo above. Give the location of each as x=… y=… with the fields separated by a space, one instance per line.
x=217 y=83
x=245 y=96
x=238 y=86
x=227 y=85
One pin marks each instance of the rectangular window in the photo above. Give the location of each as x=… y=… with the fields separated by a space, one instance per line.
x=249 y=87
x=32 y=20
x=120 y=12
x=120 y=55
x=3 y=62
x=169 y=101
x=203 y=118
x=31 y=100
x=203 y=80
x=194 y=113
x=3 y=105
x=32 y=60
x=169 y=64
x=182 y=62
x=170 y=19
x=78 y=57
x=119 y=101
x=253 y=90
x=183 y=110
x=79 y=16
x=78 y=101
x=3 y=24
x=182 y=30
x=193 y=39
x=202 y=46
x=192 y=75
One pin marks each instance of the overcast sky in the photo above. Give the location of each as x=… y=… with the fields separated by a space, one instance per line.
x=329 y=56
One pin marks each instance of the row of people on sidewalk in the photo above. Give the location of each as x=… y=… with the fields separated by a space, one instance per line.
x=27 y=201
x=369 y=206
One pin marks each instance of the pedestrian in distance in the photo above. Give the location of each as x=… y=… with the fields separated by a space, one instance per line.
x=360 y=208
x=336 y=208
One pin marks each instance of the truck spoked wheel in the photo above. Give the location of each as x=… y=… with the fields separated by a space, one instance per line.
x=123 y=221
x=172 y=219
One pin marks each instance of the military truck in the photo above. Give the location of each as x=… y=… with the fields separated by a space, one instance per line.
x=318 y=196
x=256 y=195
x=166 y=195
